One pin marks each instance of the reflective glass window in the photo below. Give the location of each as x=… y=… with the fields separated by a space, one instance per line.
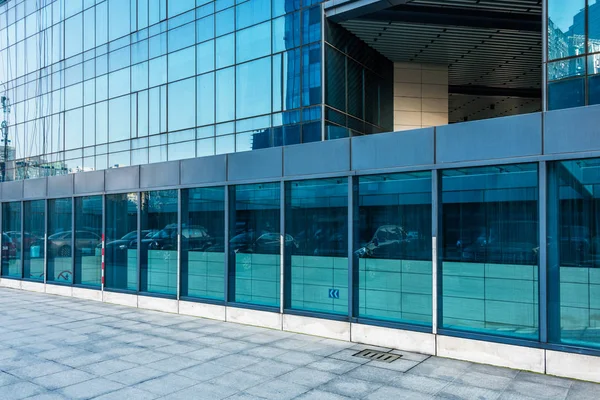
x=59 y=243
x=224 y=22
x=252 y=12
x=490 y=250
x=311 y=75
x=286 y=32
x=392 y=249
x=254 y=42
x=12 y=243
x=182 y=64
x=205 y=91
x=566 y=93
x=254 y=244
x=573 y=252
x=34 y=228
x=157 y=71
x=205 y=28
x=203 y=243
x=566 y=28
x=594 y=90
x=119 y=122
x=225 y=51
x=253 y=88
x=182 y=106
x=158 y=263
x=182 y=37
x=225 y=94
x=180 y=6
x=121 y=241
x=316 y=245
x=205 y=57
x=118 y=19
x=88 y=240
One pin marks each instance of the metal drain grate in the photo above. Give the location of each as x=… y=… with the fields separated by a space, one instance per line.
x=377 y=355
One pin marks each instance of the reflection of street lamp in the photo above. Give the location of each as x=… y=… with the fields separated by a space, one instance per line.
x=4 y=127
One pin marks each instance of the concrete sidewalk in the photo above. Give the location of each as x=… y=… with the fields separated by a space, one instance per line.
x=65 y=348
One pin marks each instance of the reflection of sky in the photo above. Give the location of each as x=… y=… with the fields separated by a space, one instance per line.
x=561 y=12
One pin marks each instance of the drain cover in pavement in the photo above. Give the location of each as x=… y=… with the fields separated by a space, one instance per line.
x=377 y=355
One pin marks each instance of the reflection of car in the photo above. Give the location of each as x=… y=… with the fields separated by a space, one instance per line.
x=196 y=238
x=266 y=243
x=389 y=241
x=59 y=244
x=26 y=240
x=127 y=241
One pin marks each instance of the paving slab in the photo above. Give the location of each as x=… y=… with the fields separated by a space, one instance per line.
x=55 y=349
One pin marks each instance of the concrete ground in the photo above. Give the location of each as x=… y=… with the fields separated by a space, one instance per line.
x=64 y=348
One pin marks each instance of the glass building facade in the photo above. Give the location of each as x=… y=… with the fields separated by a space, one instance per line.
x=573 y=69
x=96 y=84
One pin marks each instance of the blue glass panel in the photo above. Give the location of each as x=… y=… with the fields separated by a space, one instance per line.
x=225 y=94
x=566 y=28
x=202 y=243
x=573 y=252
x=182 y=104
x=225 y=55
x=311 y=31
x=566 y=94
x=253 y=42
x=182 y=64
x=490 y=250
x=11 y=239
x=205 y=57
x=182 y=37
x=252 y=12
x=205 y=28
x=121 y=241
x=179 y=6
x=34 y=229
x=158 y=262
x=594 y=90
x=206 y=99
x=118 y=19
x=224 y=22
x=59 y=242
x=254 y=242
x=253 y=88
x=316 y=225
x=158 y=71
x=311 y=75
x=281 y=7
x=393 y=248
x=286 y=32
x=88 y=240
x=139 y=77
x=158 y=45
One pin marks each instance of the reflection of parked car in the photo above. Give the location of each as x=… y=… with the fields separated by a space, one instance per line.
x=26 y=240
x=127 y=241
x=196 y=238
x=59 y=244
x=266 y=243
x=388 y=241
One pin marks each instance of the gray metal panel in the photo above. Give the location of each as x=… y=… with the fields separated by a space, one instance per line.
x=256 y=164
x=317 y=158
x=507 y=137
x=572 y=130
x=12 y=190
x=89 y=182
x=60 y=186
x=204 y=170
x=122 y=179
x=390 y=150
x=160 y=174
x=34 y=188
